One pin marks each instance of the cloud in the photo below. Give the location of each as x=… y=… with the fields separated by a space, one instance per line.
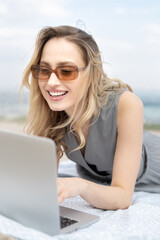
x=40 y=8
x=136 y=10
x=33 y=12
x=145 y=10
x=118 y=45
x=8 y=32
x=153 y=28
x=3 y=9
x=54 y=10
x=153 y=34
x=153 y=40
x=120 y=10
x=15 y=39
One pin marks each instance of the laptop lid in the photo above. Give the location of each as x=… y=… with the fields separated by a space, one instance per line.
x=28 y=181
x=28 y=185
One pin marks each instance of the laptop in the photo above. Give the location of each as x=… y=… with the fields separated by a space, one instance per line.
x=28 y=187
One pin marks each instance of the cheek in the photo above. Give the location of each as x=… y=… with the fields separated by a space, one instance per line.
x=42 y=88
x=81 y=88
x=75 y=90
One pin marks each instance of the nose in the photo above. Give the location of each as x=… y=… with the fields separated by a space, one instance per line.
x=53 y=80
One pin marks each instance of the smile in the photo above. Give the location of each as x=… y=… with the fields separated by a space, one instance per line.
x=55 y=94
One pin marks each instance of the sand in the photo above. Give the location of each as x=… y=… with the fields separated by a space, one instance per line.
x=18 y=126
x=12 y=126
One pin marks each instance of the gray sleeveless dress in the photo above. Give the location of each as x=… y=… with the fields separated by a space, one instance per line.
x=97 y=163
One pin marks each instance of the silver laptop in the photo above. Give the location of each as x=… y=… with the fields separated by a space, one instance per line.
x=28 y=188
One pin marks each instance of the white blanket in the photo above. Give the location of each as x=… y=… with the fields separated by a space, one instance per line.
x=141 y=221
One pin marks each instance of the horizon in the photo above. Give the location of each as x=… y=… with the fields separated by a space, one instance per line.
x=14 y=108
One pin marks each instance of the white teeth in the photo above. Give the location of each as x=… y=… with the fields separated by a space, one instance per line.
x=54 y=94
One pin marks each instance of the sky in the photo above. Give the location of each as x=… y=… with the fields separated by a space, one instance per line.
x=127 y=32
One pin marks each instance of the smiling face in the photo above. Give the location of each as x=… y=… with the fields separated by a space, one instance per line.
x=62 y=95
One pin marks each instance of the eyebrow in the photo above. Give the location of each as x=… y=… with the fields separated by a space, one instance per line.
x=63 y=63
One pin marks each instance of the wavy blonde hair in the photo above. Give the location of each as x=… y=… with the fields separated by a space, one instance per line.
x=41 y=120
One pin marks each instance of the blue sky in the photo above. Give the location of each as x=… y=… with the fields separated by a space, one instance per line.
x=127 y=32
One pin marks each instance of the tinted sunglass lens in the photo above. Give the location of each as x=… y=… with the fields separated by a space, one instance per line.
x=35 y=72
x=67 y=73
x=44 y=73
x=64 y=73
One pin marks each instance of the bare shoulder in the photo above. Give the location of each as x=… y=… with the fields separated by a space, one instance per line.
x=129 y=100
x=130 y=110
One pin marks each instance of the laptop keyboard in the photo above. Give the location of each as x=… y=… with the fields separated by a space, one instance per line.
x=65 y=222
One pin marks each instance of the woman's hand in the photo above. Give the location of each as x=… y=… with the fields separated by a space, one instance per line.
x=100 y=196
x=69 y=188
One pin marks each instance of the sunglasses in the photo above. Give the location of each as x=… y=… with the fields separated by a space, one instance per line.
x=64 y=73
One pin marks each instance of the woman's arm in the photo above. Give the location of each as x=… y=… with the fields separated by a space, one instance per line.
x=126 y=162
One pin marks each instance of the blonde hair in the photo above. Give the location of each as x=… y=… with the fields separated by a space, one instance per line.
x=41 y=120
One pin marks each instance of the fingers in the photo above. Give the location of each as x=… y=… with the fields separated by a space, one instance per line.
x=62 y=191
x=67 y=188
x=61 y=198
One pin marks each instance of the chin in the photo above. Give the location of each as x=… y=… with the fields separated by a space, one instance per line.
x=56 y=109
x=68 y=108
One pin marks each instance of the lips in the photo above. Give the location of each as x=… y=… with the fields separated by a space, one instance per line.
x=57 y=93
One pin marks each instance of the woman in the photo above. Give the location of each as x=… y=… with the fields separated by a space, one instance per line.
x=97 y=121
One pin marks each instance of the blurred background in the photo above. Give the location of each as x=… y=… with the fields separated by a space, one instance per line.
x=127 y=32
